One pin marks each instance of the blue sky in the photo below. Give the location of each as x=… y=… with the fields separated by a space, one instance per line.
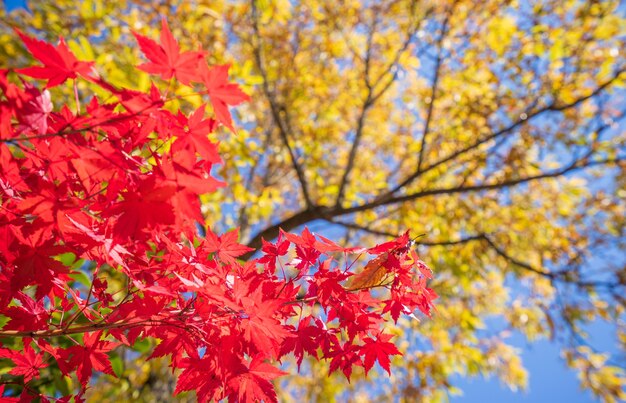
x=549 y=381
x=11 y=4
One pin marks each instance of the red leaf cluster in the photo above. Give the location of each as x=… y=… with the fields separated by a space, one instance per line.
x=94 y=191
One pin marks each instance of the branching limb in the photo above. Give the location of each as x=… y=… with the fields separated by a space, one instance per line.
x=276 y=109
x=372 y=97
x=433 y=91
x=577 y=165
x=525 y=117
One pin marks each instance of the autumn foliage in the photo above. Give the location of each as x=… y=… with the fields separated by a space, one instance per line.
x=106 y=186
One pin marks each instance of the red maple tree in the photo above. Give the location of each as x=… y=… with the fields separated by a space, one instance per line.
x=114 y=185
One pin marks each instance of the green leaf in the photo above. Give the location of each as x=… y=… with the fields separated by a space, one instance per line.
x=81 y=277
x=117 y=364
x=67 y=258
x=142 y=346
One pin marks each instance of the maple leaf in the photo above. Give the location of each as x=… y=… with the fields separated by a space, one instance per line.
x=35 y=266
x=378 y=349
x=147 y=207
x=373 y=274
x=261 y=329
x=199 y=374
x=31 y=315
x=272 y=252
x=254 y=384
x=138 y=103
x=226 y=245
x=399 y=243
x=344 y=358
x=166 y=59
x=59 y=63
x=183 y=171
x=89 y=356
x=425 y=297
x=395 y=307
x=27 y=362
x=259 y=314
x=174 y=343
x=307 y=251
x=307 y=239
x=325 y=245
x=377 y=270
x=424 y=270
x=34 y=112
x=193 y=136
x=93 y=170
x=306 y=257
x=304 y=339
x=327 y=284
x=100 y=243
x=10 y=179
x=222 y=92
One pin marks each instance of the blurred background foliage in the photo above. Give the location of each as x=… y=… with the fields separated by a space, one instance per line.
x=495 y=128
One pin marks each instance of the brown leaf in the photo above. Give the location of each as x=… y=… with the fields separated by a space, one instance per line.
x=372 y=275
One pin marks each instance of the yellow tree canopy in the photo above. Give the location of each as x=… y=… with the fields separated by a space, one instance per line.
x=495 y=128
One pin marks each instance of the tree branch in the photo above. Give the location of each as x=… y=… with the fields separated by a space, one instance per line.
x=560 y=275
x=300 y=218
x=371 y=99
x=367 y=103
x=476 y=188
x=433 y=91
x=516 y=262
x=394 y=235
x=328 y=213
x=275 y=109
x=506 y=130
x=87 y=328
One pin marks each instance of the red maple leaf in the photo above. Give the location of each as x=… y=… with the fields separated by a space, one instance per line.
x=166 y=59
x=174 y=343
x=345 y=357
x=254 y=385
x=306 y=338
x=34 y=112
x=193 y=136
x=226 y=246
x=424 y=270
x=31 y=315
x=325 y=245
x=100 y=245
x=27 y=361
x=379 y=349
x=272 y=252
x=260 y=327
x=139 y=103
x=145 y=208
x=401 y=243
x=395 y=307
x=35 y=265
x=182 y=171
x=59 y=63
x=306 y=248
x=222 y=92
x=199 y=374
x=307 y=239
x=89 y=356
